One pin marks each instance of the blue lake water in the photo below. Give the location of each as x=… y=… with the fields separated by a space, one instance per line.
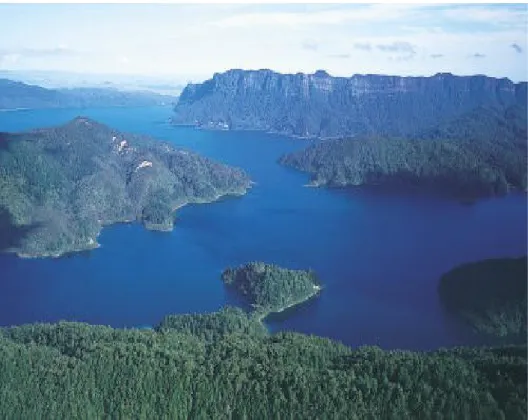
x=379 y=254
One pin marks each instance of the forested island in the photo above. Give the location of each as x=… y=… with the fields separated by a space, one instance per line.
x=59 y=186
x=214 y=366
x=270 y=288
x=321 y=106
x=490 y=295
x=481 y=153
x=18 y=95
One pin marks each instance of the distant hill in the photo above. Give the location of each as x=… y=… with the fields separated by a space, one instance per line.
x=319 y=105
x=490 y=294
x=59 y=186
x=480 y=153
x=15 y=95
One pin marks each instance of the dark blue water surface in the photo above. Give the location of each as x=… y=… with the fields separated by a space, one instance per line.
x=379 y=254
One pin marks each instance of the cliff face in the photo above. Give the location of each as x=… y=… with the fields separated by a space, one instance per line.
x=319 y=105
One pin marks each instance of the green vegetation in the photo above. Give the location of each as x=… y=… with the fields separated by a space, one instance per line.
x=59 y=186
x=14 y=95
x=212 y=368
x=490 y=294
x=212 y=326
x=483 y=153
x=270 y=288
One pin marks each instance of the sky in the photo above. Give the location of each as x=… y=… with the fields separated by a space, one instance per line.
x=195 y=41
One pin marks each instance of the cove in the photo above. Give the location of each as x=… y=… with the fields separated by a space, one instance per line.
x=379 y=254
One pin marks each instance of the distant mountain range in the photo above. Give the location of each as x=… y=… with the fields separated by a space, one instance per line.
x=15 y=95
x=319 y=105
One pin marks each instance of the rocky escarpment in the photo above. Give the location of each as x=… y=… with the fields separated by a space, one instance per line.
x=319 y=105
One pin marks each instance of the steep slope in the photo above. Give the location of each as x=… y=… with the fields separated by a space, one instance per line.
x=61 y=185
x=319 y=105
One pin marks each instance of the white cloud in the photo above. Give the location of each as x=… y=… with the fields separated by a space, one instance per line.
x=310 y=44
x=364 y=46
x=60 y=50
x=365 y=14
x=7 y=60
x=487 y=14
x=202 y=39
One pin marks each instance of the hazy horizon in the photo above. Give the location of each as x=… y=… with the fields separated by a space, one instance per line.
x=181 y=43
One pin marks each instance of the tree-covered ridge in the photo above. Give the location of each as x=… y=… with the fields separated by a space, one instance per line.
x=60 y=185
x=270 y=288
x=481 y=153
x=490 y=294
x=74 y=370
x=321 y=106
x=15 y=95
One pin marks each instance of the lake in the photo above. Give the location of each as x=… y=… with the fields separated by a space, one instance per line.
x=378 y=254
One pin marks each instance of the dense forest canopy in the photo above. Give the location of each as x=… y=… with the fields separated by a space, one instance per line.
x=270 y=288
x=490 y=294
x=210 y=326
x=59 y=186
x=479 y=154
x=211 y=366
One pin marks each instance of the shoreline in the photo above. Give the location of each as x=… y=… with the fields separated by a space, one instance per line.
x=14 y=109
x=265 y=131
x=92 y=244
x=262 y=316
x=256 y=130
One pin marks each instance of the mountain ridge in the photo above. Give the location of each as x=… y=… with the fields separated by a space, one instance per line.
x=15 y=95
x=319 y=105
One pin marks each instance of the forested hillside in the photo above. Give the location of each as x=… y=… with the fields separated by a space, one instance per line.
x=59 y=186
x=490 y=295
x=180 y=371
x=479 y=154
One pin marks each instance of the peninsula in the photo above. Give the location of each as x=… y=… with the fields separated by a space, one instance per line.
x=481 y=153
x=59 y=186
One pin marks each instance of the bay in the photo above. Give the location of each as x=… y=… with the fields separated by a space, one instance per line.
x=378 y=253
